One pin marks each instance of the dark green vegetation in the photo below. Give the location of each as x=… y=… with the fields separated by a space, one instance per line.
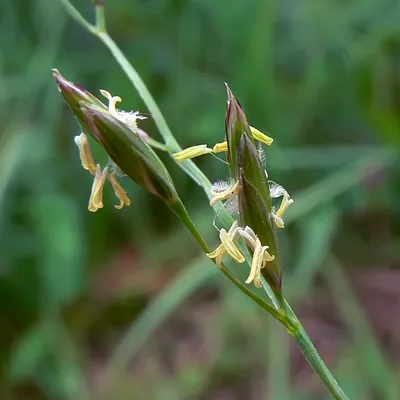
x=84 y=294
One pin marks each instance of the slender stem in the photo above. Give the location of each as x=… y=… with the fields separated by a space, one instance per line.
x=100 y=18
x=296 y=329
x=77 y=16
x=157 y=145
x=142 y=89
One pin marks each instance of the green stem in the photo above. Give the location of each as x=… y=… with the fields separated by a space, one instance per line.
x=295 y=329
x=100 y=18
x=76 y=15
x=143 y=91
x=157 y=145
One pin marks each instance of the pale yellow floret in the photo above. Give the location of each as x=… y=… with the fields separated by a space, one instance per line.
x=192 y=152
x=85 y=153
x=229 y=193
x=230 y=246
x=96 y=196
x=119 y=192
x=261 y=137
x=227 y=246
x=278 y=216
x=112 y=101
x=220 y=147
x=257 y=264
x=251 y=240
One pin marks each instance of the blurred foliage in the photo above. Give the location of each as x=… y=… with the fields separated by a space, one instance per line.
x=82 y=294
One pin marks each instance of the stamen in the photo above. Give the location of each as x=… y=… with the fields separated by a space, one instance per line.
x=278 y=216
x=218 y=254
x=261 y=137
x=192 y=152
x=251 y=240
x=85 y=153
x=96 y=196
x=227 y=246
x=249 y=236
x=119 y=192
x=230 y=247
x=257 y=264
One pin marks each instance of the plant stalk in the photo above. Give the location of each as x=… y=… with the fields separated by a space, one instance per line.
x=284 y=314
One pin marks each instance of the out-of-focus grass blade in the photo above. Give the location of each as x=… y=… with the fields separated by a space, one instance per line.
x=45 y=343
x=163 y=305
x=376 y=366
x=351 y=373
x=278 y=371
x=340 y=181
x=60 y=231
x=316 y=234
x=11 y=154
x=30 y=353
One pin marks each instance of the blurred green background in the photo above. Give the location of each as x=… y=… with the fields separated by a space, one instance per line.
x=121 y=304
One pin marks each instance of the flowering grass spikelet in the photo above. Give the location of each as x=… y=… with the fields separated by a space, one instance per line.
x=118 y=134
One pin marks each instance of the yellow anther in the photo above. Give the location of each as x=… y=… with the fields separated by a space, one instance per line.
x=227 y=246
x=119 y=192
x=230 y=247
x=257 y=264
x=261 y=137
x=192 y=152
x=218 y=254
x=226 y=194
x=96 y=196
x=112 y=101
x=251 y=240
x=85 y=153
x=278 y=216
x=220 y=147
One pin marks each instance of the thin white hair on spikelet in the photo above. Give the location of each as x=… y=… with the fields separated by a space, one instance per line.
x=276 y=190
x=115 y=169
x=130 y=117
x=261 y=154
x=232 y=206
x=220 y=186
